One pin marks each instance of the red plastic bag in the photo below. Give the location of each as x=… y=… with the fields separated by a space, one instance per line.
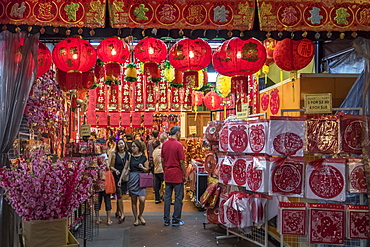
x=110 y=185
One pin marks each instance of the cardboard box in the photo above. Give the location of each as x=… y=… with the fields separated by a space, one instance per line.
x=72 y=241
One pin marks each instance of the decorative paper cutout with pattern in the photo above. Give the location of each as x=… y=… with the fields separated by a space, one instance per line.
x=322 y=134
x=292 y=218
x=326 y=181
x=239 y=171
x=356 y=176
x=256 y=174
x=326 y=223
x=238 y=136
x=358 y=221
x=225 y=172
x=351 y=133
x=221 y=209
x=257 y=136
x=287 y=178
x=224 y=138
x=286 y=135
x=212 y=132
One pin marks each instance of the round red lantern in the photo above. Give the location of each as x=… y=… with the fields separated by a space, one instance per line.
x=197 y=98
x=74 y=56
x=212 y=100
x=189 y=56
x=293 y=54
x=269 y=44
x=113 y=52
x=239 y=58
x=151 y=51
x=43 y=59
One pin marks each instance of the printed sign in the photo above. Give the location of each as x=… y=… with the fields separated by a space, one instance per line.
x=318 y=103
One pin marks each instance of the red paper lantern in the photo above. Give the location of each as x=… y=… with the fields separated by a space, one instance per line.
x=88 y=79
x=43 y=59
x=212 y=100
x=113 y=52
x=197 y=98
x=74 y=56
x=293 y=54
x=189 y=56
x=239 y=58
x=151 y=51
x=269 y=44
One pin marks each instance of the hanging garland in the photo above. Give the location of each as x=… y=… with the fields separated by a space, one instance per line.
x=175 y=85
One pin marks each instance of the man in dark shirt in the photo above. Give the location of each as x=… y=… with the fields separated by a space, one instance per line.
x=173 y=162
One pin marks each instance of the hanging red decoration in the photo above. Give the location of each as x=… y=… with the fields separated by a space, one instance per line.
x=239 y=58
x=197 y=98
x=212 y=100
x=269 y=44
x=113 y=52
x=88 y=79
x=151 y=51
x=292 y=55
x=189 y=56
x=44 y=59
x=74 y=56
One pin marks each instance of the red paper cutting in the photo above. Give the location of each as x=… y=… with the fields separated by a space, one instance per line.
x=357 y=178
x=254 y=177
x=238 y=137
x=351 y=133
x=114 y=119
x=125 y=117
x=257 y=136
x=148 y=119
x=239 y=171
x=292 y=218
x=358 y=221
x=136 y=119
x=224 y=138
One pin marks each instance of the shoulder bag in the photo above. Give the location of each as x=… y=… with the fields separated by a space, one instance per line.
x=126 y=170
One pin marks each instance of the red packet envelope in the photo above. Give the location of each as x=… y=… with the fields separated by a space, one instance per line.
x=292 y=218
x=326 y=223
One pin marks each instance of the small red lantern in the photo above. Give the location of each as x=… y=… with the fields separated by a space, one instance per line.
x=189 y=56
x=74 y=56
x=197 y=98
x=239 y=58
x=212 y=100
x=151 y=51
x=113 y=52
x=292 y=55
x=44 y=59
x=269 y=44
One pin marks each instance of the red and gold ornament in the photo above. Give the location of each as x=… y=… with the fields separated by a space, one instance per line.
x=44 y=59
x=212 y=100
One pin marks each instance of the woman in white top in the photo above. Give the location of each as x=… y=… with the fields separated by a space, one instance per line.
x=158 y=170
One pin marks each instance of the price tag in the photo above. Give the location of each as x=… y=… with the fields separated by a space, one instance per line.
x=192 y=130
x=318 y=103
x=85 y=130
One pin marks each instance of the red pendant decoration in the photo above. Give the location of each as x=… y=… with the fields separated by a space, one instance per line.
x=151 y=51
x=197 y=98
x=101 y=100
x=175 y=99
x=74 y=56
x=88 y=79
x=150 y=100
x=113 y=52
x=293 y=54
x=269 y=44
x=44 y=59
x=113 y=98
x=189 y=56
x=187 y=98
x=126 y=96
x=212 y=100
x=162 y=96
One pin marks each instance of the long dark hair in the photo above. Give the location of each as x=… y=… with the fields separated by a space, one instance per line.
x=124 y=148
x=139 y=145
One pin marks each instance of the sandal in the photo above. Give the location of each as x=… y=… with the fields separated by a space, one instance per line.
x=136 y=223
x=98 y=222
x=142 y=221
x=109 y=223
x=121 y=220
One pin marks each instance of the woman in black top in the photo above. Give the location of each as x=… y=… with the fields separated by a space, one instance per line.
x=117 y=161
x=138 y=163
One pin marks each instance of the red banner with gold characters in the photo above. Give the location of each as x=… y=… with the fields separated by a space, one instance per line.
x=187 y=96
x=68 y=13
x=113 y=98
x=193 y=14
x=315 y=15
x=138 y=94
x=126 y=93
x=175 y=99
x=150 y=100
x=101 y=99
x=162 y=95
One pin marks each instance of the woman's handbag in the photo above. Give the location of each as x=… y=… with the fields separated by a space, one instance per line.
x=126 y=170
x=146 y=180
x=110 y=184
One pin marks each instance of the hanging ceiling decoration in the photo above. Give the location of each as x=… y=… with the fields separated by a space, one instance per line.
x=44 y=59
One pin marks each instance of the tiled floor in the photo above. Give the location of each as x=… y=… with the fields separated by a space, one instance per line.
x=155 y=234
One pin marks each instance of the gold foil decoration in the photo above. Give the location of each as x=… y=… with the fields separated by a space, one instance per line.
x=17 y=29
x=241 y=34
x=280 y=34
x=42 y=30
x=29 y=29
x=342 y=35
x=68 y=32
x=304 y=34
x=4 y=27
x=92 y=32
x=56 y=30
x=268 y=35
x=230 y=33
x=354 y=34
x=181 y=32
x=80 y=31
x=329 y=34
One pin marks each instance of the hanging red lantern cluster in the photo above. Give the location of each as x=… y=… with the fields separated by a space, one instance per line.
x=43 y=59
x=212 y=100
x=74 y=56
x=239 y=58
x=151 y=51
x=197 y=98
x=290 y=55
x=189 y=56
x=113 y=52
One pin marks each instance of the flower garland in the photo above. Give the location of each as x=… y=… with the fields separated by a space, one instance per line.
x=43 y=190
x=45 y=107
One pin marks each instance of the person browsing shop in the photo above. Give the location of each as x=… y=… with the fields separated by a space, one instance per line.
x=158 y=170
x=173 y=162
x=117 y=161
x=137 y=163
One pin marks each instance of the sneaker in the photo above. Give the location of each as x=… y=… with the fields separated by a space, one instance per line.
x=178 y=223
x=166 y=223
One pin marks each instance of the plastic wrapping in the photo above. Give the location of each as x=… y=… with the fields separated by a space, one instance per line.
x=351 y=129
x=212 y=132
x=257 y=174
x=286 y=136
x=292 y=218
x=358 y=222
x=356 y=176
x=325 y=179
x=238 y=136
x=322 y=134
x=286 y=176
x=225 y=171
x=257 y=136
